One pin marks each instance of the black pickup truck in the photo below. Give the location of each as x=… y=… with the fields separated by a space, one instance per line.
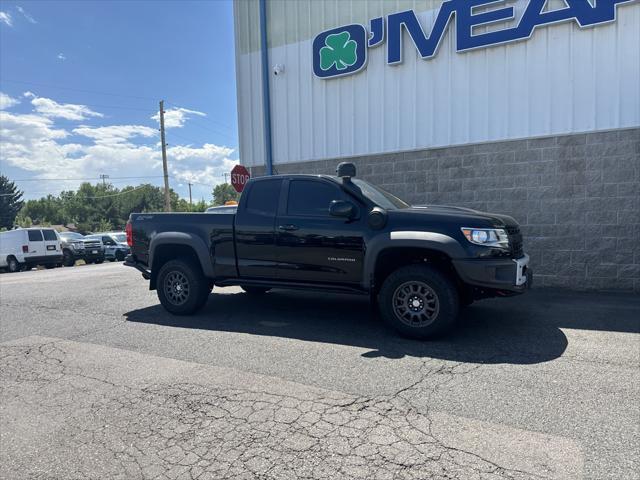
x=334 y=234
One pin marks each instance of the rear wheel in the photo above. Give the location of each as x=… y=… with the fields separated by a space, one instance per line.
x=419 y=301
x=13 y=265
x=254 y=290
x=100 y=260
x=182 y=288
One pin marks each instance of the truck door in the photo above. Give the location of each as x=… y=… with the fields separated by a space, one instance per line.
x=36 y=244
x=255 y=229
x=314 y=246
x=51 y=243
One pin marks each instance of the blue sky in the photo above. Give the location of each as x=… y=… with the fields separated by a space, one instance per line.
x=81 y=81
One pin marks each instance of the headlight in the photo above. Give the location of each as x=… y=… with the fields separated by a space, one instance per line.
x=487 y=237
x=72 y=246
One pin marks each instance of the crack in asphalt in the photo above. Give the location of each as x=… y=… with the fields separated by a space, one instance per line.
x=198 y=432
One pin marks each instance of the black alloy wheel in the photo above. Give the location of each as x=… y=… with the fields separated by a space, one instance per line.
x=416 y=304
x=182 y=288
x=419 y=301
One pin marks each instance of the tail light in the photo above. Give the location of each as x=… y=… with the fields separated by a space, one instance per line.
x=129 y=231
x=25 y=248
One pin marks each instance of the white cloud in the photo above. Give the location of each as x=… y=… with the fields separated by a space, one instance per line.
x=7 y=102
x=41 y=149
x=68 y=111
x=62 y=56
x=176 y=117
x=5 y=17
x=26 y=15
x=115 y=134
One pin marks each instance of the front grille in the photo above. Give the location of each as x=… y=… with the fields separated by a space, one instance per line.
x=92 y=244
x=515 y=241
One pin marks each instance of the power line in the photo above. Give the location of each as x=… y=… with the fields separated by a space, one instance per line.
x=87 y=178
x=75 y=89
x=113 y=194
x=205 y=119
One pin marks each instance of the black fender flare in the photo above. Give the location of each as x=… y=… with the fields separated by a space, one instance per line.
x=186 y=239
x=407 y=239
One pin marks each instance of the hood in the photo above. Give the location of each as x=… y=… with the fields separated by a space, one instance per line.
x=461 y=215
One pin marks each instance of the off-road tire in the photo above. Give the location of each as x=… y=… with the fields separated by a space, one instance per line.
x=415 y=286
x=13 y=265
x=190 y=278
x=251 y=290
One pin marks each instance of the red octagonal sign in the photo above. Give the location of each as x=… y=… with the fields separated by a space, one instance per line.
x=239 y=177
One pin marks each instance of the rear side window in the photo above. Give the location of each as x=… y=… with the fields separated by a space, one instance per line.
x=35 y=235
x=264 y=197
x=49 y=235
x=311 y=198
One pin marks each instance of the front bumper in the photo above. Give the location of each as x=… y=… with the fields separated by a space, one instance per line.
x=505 y=275
x=90 y=255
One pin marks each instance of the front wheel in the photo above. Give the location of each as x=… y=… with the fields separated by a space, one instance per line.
x=419 y=301
x=254 y=290
x=67 y=259
x=182 y=288
x=100 y=260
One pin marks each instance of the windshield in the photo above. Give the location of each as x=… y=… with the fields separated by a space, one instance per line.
x=71 y=236
x=380 y=197
x=120 y=237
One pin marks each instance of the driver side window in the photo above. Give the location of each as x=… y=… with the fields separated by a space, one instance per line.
x=311 y=198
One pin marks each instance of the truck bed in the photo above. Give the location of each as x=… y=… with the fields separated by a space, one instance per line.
x=218 y=228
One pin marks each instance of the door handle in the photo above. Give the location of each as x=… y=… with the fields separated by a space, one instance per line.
x=288 y=228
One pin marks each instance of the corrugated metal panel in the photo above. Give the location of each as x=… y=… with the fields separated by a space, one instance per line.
x=564 y=79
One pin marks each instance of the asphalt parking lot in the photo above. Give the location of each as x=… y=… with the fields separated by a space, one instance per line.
x=99 y=382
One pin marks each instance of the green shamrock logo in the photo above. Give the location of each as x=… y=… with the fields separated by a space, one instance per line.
x=339 y=50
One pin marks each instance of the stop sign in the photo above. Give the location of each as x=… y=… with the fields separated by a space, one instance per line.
x=239 y=177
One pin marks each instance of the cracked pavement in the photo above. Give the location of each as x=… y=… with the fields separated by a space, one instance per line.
x=97 y=381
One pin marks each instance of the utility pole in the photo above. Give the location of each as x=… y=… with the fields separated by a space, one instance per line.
x=167 y=198
x=225 y=177
x=190 y=202
x=104 y=177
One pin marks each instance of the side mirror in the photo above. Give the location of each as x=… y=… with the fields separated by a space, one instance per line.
x=342 y=208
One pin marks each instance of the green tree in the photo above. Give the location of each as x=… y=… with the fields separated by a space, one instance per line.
x=10 y=202
x=224 y=193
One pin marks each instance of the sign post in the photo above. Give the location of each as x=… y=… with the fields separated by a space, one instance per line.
x=239 y=178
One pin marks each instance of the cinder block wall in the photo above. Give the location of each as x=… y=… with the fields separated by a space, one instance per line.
x=577 y=197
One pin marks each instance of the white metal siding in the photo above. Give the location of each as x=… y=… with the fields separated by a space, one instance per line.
x=563 y=80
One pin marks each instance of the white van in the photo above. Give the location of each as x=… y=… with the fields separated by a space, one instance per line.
x=25 y=248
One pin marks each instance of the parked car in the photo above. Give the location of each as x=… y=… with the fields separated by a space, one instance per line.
x=72 y=248
x=24 y=248
x=115 y=245
x=222 y=209
x=334 y=234
x=93 y=250
x=79 y=247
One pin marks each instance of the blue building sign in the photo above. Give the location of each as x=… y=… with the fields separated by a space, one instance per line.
x=343 y=50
